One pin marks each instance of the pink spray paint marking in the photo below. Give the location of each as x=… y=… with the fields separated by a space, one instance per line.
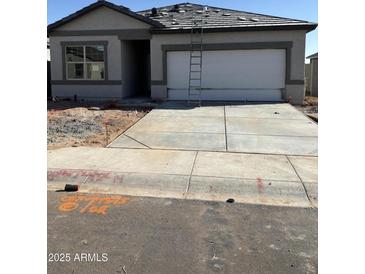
x=260 y=185
x=92 y=175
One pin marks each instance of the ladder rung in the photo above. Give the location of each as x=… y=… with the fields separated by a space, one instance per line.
x=195 y=64
x=195 y=78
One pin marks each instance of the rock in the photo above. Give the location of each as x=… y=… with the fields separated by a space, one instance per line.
x=93 y=108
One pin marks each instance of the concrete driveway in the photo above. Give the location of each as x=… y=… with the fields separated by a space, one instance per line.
x=261 y=154
x=256 y=128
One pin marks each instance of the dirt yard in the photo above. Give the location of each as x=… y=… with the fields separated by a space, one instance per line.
x=81 y=124
x=310 y=107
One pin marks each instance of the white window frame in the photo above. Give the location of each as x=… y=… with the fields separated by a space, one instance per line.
x=84 y=62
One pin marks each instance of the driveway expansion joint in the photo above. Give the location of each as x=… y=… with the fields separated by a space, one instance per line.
x=305 y=189
x=137 y=141
x=191 y=174
x=225 y=127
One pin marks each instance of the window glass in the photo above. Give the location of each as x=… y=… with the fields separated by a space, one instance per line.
x=95 y=71
x=85 y=62
x=94 y=53
x=75 y=71
x=75 y=53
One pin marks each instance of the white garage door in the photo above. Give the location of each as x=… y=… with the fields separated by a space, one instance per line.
x=232 y=75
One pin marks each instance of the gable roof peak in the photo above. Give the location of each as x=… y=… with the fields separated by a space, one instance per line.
x=102 y=3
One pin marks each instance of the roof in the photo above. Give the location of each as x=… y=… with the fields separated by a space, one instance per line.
x=313 y=56
x=178 y=18
x=98 y=4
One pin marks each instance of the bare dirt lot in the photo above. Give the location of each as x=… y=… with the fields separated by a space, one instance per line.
x=310 y=107
x=83 y=124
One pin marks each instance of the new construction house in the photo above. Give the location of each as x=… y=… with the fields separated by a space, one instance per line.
x=179 y=52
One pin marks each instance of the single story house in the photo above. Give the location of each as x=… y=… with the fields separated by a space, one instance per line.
x=311 y=75
x=106 y=51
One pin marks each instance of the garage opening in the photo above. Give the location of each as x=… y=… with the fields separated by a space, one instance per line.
x=230 y=75
x=136 y=68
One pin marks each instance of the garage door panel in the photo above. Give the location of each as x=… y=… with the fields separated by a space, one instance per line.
x=241 y=95
x=227 y=95
x=178 y=69
x=244 y=68
x=252 y=75
x=178 y=94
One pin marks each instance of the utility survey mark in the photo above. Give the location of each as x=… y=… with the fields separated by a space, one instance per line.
x=95 y=204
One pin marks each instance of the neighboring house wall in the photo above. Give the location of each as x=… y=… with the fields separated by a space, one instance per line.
x=49 y=86
x=294 y=87
x=307 y=78
x=314 y=77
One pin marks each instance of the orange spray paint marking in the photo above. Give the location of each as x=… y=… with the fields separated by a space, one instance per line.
x=91 y=203
x=260 y=185
x=68 y=207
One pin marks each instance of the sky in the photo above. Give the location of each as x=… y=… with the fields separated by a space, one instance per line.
x=298 y=9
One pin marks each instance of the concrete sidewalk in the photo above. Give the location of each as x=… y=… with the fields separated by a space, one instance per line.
x=247 y=178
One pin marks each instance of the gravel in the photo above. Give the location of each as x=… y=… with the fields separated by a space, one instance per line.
x=71 y=125
x=83 y=126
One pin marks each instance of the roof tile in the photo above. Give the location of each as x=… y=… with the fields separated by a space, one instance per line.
x=217 y=17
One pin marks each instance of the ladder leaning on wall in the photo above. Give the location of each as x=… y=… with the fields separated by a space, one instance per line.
x=196 y=58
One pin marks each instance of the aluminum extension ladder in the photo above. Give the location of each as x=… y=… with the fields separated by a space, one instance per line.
x=196 y=60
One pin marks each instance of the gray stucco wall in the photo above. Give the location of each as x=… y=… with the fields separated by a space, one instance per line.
x=295 y=92
x=88 y=92
x=111 y=90
x=104 y=19
x=98 y=20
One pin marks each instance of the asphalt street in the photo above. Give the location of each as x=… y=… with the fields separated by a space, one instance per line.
x=92 y=233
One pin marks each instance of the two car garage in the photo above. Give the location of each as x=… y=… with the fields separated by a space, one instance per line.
x=230 y=75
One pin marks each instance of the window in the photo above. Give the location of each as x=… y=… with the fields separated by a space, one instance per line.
x=85 y=62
